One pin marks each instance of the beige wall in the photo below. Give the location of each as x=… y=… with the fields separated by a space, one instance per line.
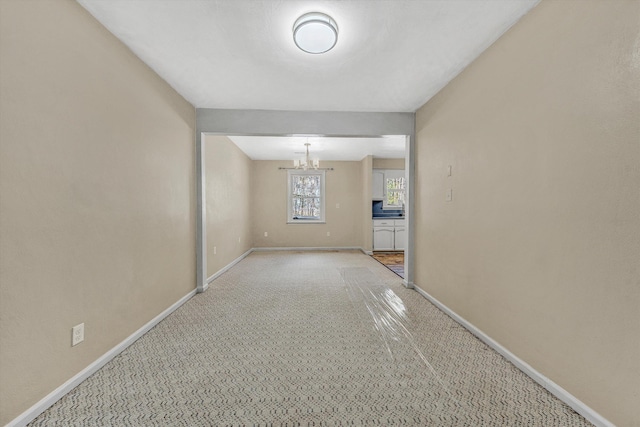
x=367 y=221
x=269 y=202
x=540 y=247
x=388 y=163
x=97 y=196
x=228 y=175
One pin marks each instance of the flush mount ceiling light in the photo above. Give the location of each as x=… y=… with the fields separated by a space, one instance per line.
x=315 y=32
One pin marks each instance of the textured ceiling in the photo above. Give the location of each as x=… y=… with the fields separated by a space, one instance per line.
x=391 y=55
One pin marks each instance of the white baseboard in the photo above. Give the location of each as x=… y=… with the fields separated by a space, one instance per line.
x=304 y=248
x=408 y=285
x=577 y=405
x=562 y=394
x=41 y=406
x=227 y=267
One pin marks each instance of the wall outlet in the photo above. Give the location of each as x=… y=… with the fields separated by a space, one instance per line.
x=328 y=233
x=266 y=234
x=238 y=239
x=77 y=334
x=215 y=250
x=449 y=196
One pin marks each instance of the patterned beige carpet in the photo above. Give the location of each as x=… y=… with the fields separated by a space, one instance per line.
x=308 y=338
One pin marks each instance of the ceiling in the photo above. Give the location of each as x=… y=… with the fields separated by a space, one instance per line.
x=324 y=148
x=391 y=56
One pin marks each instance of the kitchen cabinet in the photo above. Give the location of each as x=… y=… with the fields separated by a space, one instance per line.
x=383 y=238
x=377 y=185
x=389 y=235
x=399 y=238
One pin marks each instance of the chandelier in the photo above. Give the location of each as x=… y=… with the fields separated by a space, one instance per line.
x=305 y=163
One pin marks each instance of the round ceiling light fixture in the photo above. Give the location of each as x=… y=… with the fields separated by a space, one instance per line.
x=315 y=32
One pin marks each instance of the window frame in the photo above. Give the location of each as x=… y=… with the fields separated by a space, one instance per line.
x=290 y=175
x=394 y=174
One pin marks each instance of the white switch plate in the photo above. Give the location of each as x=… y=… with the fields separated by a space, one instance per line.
x=328 y=233
x=449 y=170
x=215 y=250
x=266 y=234
x=449 y=195
x=77 y=334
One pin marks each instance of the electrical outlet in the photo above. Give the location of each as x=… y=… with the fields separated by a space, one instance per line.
x=238 y=239
x=449 y=196
x=215 y=250
x=266 y=234
x=77 y=334
x=328 y=233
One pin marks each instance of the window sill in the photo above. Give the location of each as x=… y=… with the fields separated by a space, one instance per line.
x=306 y=221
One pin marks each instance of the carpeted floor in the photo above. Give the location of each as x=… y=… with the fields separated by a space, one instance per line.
x=308 y=338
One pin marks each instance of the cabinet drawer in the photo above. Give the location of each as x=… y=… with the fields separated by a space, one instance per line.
x=383 y=223
x=399 y=222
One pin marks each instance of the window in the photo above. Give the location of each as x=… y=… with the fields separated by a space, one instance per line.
x=394 y=189
x=306 y=196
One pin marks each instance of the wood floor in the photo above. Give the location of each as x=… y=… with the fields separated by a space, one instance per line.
x=394 y=261
x=390 y=258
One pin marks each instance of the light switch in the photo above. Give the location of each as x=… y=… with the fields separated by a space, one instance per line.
x=449 y=195
x=449 y=170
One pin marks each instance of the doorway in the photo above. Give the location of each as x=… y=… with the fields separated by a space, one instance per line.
x=287 y=123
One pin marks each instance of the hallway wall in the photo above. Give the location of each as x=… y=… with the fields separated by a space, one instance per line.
x=97 y=196
x=366 y=171
x=540 y=246
x=228 y=187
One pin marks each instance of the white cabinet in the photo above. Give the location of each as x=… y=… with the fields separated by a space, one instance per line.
x=383 y=238
x=389 y=235
x=377 y=185
x=400 y=235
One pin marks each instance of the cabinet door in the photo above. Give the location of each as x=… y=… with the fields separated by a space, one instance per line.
x=377 y=185
x=400 y=238
x=383 y=238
